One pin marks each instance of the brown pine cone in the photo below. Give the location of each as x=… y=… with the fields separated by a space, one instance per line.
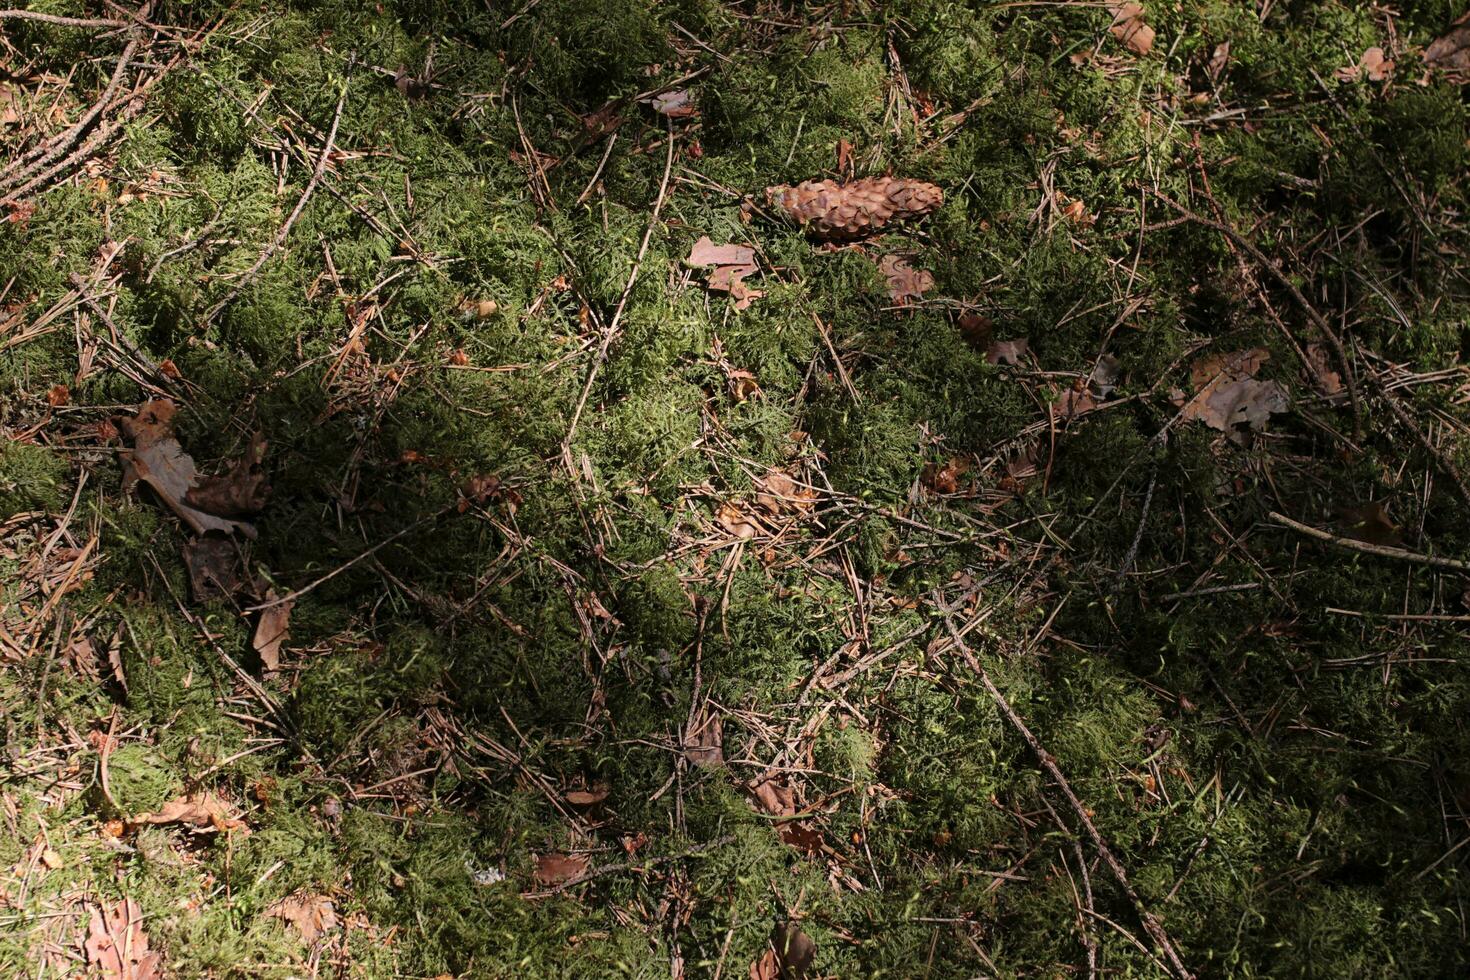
x=846 y=212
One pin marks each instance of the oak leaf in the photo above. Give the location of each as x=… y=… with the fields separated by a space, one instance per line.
x=558 y=869
x=310 y=915
x=905 y=283
x=1128 y=26
x=116 y=945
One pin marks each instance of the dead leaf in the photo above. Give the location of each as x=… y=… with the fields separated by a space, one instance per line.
x=1007 y=352
x=116 y=945
x=1329 y=382
x=272 y=630
x=766 y=968
x=794 y=951
x=311 y=915
x=409 y=86
x=742 y=385
x=977 y=330
x=676 y=104
x=1369 y=522
x=773 y=794
x=158 y=460
x=239 y=493
x=1219 y=60
x=216 y=568
x=945 y=478
x=557 y=869
x=706 y=252
x=58 y=396
x=1228 y=395
x=736 y=521
x=704 y=738
x=904 y=281
x=51 y=859
x=1105 y=375
x=202 y=811
x=1128 y=27
x=587 y=797
x=779 y=494
x=1452 y=52
x=1074 y=210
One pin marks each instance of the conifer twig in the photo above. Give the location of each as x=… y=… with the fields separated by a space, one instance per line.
x=1151 y=925
x=1381 y=550
x=612 y=327
x=280 y=237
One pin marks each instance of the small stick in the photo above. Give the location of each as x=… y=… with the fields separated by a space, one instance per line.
x=60 y=21
x=280 y=239
x=1150 y=924
x=612 y=328
x=1382 y=551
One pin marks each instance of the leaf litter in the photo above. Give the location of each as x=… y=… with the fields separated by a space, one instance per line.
x=117 y=945
x=730 y=265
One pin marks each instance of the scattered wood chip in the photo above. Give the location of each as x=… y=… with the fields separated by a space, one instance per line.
x=905 y=283
x=1128 y=26
x=116 y=945
x=557 y=869
x=310 y=915
x=1370 y=522
x=201 y=811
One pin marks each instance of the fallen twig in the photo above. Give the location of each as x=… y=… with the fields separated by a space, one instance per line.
x=1381 y=550
x=1151 y=924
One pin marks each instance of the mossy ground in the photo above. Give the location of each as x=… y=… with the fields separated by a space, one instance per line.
x=1287 y=786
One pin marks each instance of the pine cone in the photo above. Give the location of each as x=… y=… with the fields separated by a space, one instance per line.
x=846 y=212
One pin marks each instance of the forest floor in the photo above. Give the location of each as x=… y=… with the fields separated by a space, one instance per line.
x=1069 y=582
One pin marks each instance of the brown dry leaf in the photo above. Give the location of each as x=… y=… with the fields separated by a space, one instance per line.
x=766 y=968
x=775 y=796
x=778 y=493
x=202 y=811
x=1128 y=27
x=311 y=915
x=704 y=739
x=1452 y=52
x=557 y=869
x=216 y=568
x=1328 y=380
x=905 y=283
x=271 y=630
x=676 y=104
x=158 y=460
x=1369 y=522
x=736 y=521
x=706 y=252
x=1073 y=403
x=945 y=478
x=116 y=945
x=743 y=385
x=977 y=330
x=794 y=951
x=1007 y=352
x=1219 y=60
x=1228 y=395
x=588 y=797
x=58 y=396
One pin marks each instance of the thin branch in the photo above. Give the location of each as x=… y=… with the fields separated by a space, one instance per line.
x=60 y=21
x=612 y=328
x=285 y=230
x=1382 y=551
x=1151 y=925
